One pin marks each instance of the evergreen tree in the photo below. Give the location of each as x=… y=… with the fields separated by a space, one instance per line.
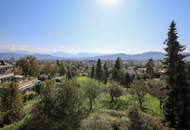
x=99 y=70
x=105 y=73
x=126 y=80
x=117 y=74
x=177 y=105
x=150 y=68
x=118 y=64
x=92 y=75
x=188 y=69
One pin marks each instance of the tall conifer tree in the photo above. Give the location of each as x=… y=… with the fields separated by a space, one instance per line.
x=150 y=67
x=116 y=74
x=99 y=70
x=92 y=75
x=105 y=73
x=177 y=105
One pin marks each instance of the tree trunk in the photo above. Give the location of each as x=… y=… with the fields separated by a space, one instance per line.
x=91 y=105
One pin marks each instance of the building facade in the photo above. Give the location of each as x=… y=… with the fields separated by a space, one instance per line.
x=6 y=71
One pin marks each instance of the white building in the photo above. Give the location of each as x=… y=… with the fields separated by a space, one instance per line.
x=6 y=71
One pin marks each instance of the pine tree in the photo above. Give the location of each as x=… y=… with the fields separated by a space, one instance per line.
x=177 y=105
x=105 y=73
x=126 y=80
x=150 y=68
x=92 y=74
x=118 y=64
x=116 y=74
x=99 y=70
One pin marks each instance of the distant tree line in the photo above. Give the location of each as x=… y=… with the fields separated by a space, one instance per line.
x=102 y=73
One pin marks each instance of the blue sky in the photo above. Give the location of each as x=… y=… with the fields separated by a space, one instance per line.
x=104 y=26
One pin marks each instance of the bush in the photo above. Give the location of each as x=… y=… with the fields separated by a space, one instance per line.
x=96 y=124
x=29 y=96
x=105 y=120
x=118 y=104
x=141 y=121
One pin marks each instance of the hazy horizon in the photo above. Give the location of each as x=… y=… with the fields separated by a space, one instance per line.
x=99 y=26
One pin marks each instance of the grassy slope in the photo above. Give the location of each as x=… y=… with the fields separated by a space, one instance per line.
x=102 y=109
x=151 y=103
x=117 y=112
x=122 y=103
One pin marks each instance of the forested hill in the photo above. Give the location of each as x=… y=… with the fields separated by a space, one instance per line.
x=138 y=57
x=142 y=56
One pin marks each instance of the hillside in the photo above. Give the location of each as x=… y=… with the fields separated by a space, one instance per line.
x=88 y=56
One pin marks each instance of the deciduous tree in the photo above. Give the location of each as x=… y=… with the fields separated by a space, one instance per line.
x=138 y=89
x=29 y=66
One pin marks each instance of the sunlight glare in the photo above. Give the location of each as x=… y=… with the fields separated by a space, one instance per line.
x=110 y=3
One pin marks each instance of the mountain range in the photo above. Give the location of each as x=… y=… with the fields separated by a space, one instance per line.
x=84 y=56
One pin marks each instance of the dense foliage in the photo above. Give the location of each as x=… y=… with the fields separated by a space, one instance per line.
x=63 y=108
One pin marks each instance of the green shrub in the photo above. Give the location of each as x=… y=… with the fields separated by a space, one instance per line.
x=96 y=124
x=142 y=121
x=29 y=96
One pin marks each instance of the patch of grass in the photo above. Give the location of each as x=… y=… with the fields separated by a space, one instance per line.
x=153 y=106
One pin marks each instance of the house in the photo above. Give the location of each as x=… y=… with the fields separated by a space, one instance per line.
x=6 y=71
x=7 y=75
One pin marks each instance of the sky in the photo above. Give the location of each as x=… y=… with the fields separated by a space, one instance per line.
x=101 y=26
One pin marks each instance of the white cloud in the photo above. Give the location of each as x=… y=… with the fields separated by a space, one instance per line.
x=26 y=47
x=74 y=48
